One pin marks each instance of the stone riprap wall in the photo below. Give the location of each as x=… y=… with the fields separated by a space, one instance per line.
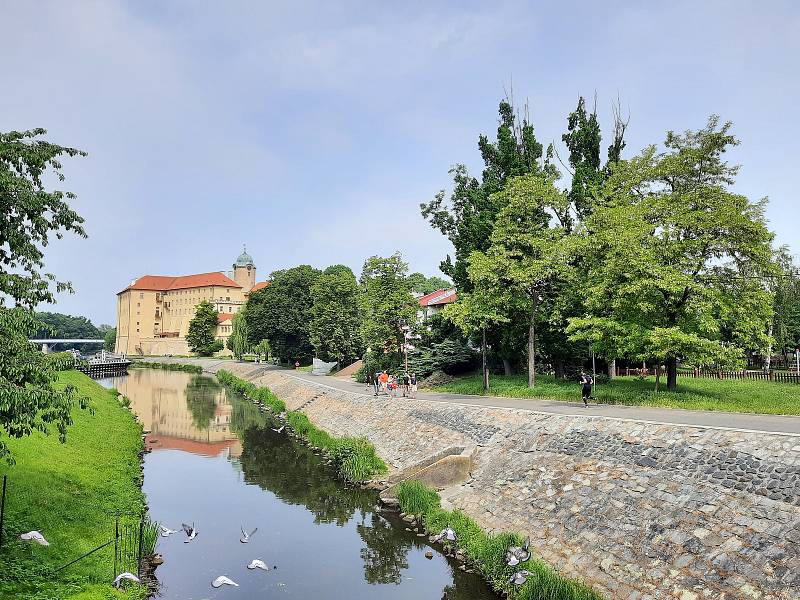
x=636 y=510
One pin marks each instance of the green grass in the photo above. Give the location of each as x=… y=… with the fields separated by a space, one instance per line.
x=486 y=551
x=68 y=491
x=143 y=364
x=730 y=395
x=355 y=458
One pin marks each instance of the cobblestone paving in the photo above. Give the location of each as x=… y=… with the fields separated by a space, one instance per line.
x=455 y=419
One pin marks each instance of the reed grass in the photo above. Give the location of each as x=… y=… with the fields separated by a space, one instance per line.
x=354 y=457
x=486 y=551
x=143 y=364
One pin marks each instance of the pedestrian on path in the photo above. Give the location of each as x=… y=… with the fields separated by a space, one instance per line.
x=413 y=382
x=383 y=379
x=586 y=387
x=376 y=382
x=406 y=385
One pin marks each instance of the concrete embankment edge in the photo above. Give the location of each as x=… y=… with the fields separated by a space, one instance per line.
x=637 y=510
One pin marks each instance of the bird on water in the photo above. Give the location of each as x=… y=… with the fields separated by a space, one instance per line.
x=258 y=564
x=222 y=580
x=190 y=531
x=246 y=536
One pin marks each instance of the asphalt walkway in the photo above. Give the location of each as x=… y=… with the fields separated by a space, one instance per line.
x=776 y=424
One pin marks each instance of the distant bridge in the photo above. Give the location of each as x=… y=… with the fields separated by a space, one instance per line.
x=46 y=343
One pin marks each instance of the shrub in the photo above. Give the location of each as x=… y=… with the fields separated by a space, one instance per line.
x=355 y=458
x=143 y=364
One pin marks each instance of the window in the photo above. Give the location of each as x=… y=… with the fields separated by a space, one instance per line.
x=141 y=295
x=230 y=309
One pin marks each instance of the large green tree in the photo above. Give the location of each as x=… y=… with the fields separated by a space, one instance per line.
x=239 y=340
x=202 y=329
x=31 y=215
x=388 y=305
x=427 y=285
x=281 y=313
x=664 y=244
x=526 y=256
x=110 y=339
x=335 y=327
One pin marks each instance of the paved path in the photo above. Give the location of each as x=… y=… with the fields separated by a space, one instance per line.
x=787 y=425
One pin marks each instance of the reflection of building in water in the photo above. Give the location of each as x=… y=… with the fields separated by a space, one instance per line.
x=181 y=411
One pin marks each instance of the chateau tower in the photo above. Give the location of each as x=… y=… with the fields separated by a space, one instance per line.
x=244 y=271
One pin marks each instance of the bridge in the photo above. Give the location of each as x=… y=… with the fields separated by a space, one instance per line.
x=46 y=343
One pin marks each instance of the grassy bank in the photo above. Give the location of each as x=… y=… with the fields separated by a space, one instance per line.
x=355 y=458
x=745 y=396
x=68 y=492
x=143 y=364
x=486 y=551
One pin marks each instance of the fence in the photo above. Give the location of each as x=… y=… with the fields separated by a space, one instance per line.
x=776 y=376
x=133 y=535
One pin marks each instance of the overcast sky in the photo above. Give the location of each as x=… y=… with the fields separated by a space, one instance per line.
x=312 y=131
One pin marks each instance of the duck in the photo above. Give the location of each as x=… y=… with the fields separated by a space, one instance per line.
x=34 y=536
x=258 y=564
x=166 y=531
x=222 y=580
x=123 y=576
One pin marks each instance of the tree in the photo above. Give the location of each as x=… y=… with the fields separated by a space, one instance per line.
x=202 y=328
x=239 y=340
x=31 y=214
x=262 y=349
x=467 y=218
x=785 y=326
x=664 y=243
x=57 y=325
x=526 y=255
x=427 y=285
x=281 y=313
x=110 y=339
x=388 y=305
x=335 y=328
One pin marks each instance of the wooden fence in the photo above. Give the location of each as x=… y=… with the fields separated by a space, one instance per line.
x=778 y=376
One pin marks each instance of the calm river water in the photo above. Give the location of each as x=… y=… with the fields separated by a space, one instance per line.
x=217 y=463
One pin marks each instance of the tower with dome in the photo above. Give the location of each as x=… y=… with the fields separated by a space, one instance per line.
x=244 y=271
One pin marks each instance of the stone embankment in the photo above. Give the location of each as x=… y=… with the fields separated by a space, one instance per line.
x=637 y=510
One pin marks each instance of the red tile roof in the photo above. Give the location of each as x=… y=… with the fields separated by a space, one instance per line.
x=438 y=297
x=225 y=317
x=259 y=286
x=163 y=283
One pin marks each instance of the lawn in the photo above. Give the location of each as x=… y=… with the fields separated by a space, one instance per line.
x=68 y=492
x=744 y=396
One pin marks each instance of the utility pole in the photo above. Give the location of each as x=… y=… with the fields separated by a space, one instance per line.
x=594 y=374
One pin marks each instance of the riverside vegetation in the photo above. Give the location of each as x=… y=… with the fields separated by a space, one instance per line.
x=355 y=458
x=143 y=364
x=69 y=492
x=486 y=551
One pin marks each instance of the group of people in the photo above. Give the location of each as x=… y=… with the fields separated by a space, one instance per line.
x=382 y=381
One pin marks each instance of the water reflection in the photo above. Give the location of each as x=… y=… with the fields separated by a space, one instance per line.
x=217 y=462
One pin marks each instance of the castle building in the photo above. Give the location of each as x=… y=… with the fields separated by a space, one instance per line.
x=154 y=311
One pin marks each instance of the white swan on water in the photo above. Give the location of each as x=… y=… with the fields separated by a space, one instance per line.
x=222 y=580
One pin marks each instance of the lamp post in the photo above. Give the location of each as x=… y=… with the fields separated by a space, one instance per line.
x=406 y=334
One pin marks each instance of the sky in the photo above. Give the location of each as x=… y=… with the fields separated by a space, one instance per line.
x=312 y=131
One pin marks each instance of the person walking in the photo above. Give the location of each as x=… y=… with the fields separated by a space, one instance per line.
x=375 y=382
x=586 y=387
x=406 y=385
x=413 y=383
x=383 y=380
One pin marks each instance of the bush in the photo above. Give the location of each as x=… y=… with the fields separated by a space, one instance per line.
x=487 y=551
x=143 y=364
x=450 y=356
x=355 y=458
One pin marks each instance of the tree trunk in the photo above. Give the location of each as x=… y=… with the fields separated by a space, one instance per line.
x=612 y=368
x=768 y=355
x=507 y=370
x=485 y=370
x=672 y=373
x=532 y=346
x=558 y=365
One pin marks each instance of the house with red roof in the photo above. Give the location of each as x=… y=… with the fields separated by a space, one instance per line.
x=154 y=311
x=430 y=304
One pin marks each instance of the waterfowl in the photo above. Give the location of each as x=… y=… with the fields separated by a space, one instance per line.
x=279 y=429
x=446 y=534
x=519 y=577
x=246 y=536
x=258 y=564
x=222 y=580
x=166 y=531
x=129 y=576
x=518 y=554
x=190 y=531
x=34 y=536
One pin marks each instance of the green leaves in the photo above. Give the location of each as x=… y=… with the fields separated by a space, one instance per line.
x=335 y=328
x=202 y=329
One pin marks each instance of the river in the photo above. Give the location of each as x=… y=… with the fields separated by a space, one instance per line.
x=216 y=462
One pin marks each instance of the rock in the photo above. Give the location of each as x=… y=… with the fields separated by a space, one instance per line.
x=156 y=560
x=606 y=564
x=434 y=379
x=428 y=554
x=407 y=518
